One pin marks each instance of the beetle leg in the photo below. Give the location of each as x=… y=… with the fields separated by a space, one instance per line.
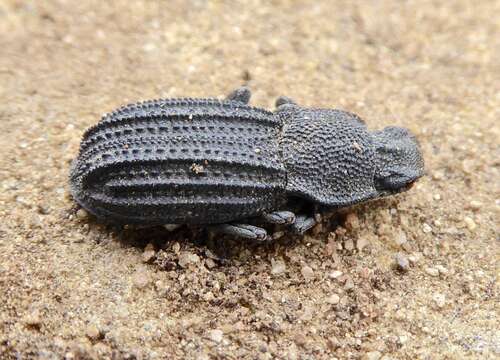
x=303 y=223
x=241 y=94
x=243 y=230
x=279 y=217
x=284 y=100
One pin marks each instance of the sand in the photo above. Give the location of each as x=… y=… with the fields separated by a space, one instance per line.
x=74 y=288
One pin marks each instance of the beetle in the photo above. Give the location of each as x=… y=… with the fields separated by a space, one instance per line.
x=220 y=162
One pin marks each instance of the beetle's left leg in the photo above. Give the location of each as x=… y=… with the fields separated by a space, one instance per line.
x=279 y=217
x=241 y=94
x=243 y=231
x=303 y=223
x=284 y=100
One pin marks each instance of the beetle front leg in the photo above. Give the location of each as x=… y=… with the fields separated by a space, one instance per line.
x=303 y=223
x=241 y=94
x=243 y=231
x=284 y=100
x=279 y=217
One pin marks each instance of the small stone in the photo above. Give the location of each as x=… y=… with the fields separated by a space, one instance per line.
x=277 y=267
x=351 y=221
x=432 y=271
x=216 y=335
x=82 y=214
x=335 y=274
x=439 y=299
x=402 y=262
x=349 y=284
x=426 y=228
x=415 y=257
x=149 y=253
x=33 y=319
x=101 y=348
x=307 y=273
x=148 y=47
x=362 y=243
x=441 y=269
x=292 y=352
x=209 y=263
x=349 y=245
x=401 y=238
x=186 y=259
x=471 y=225
x=333 y=299
x=333 y=343
x=176 y=247
x=208 y=296
x=263 y=348
x=330 y=247
x=475 y=205
x=403 y=339
x=93 y=333
x=140 y=279
x=372 y=355
x=438 y=175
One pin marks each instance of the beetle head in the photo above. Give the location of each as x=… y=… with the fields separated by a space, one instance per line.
x=400 y=161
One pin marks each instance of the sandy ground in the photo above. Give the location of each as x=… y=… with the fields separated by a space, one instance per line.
x=73 y=288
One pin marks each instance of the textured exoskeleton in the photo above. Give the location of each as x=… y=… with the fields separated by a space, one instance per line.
x=218 y=162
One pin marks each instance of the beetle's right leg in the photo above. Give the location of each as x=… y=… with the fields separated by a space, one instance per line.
x=241 y=94
x=243 y=231
x=303 y=223
x=279 y=217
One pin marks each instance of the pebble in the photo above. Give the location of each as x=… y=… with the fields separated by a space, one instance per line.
x=209 y=263
x=439 y=299
x=307 y=273
x=335 y=274
x=402 y=262
x=403 y=339
x=82 y=214
x=475 y=205
x=334 y=299
x=349 y=245
x=471 y=225
x=149 y=253
x=186 y=258
x=208 y=296
x=33 y=319
x=414 y=258
x=442 y=270
x=401 y=238
x=351 y=221
x=140 y=279
x=278 y=267
x=372 y=355
x=426 y=228
x=349 y=284
x=93 y=332
x=362 y=243
x=216 y=335
x=176 y=247
x=432 y=271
